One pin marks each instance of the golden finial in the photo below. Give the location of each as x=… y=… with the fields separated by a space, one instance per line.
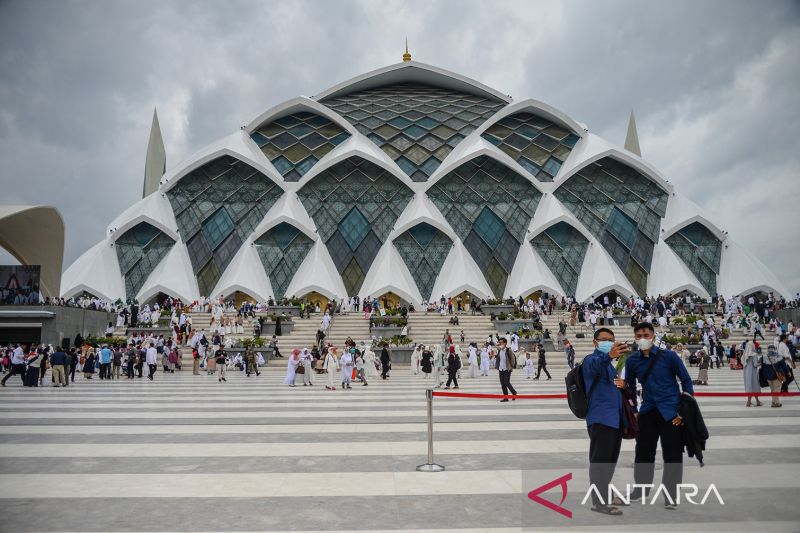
x=406 y=56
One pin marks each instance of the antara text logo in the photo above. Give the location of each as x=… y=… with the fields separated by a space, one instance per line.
x=685 y=493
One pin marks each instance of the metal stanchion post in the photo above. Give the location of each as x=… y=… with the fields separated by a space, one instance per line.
x=430 y=466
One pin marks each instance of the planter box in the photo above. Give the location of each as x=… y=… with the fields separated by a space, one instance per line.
x=512 y=325
x=387 y=331
x=497 y=309
x=401 y=355
x=291 y=310
x=287 y=327
x=530 y=344
x=167 y=331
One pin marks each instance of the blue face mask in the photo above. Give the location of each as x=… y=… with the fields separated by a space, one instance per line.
x=605 y=346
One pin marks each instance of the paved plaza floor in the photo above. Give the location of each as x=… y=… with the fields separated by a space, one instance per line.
x=186 y=453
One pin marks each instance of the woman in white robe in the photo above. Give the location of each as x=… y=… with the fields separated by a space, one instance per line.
x=120 y=320
x=473 y=362
x=369 y=358
x=485 y=360
x=331 y=365
x=307 y=360
x=291 y=368
x=347 y=363
x=528 y=366
x=415 y=359
x=438 y=366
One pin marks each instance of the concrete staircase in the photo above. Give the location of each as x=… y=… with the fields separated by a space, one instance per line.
x=429 y=328
x=351 y=325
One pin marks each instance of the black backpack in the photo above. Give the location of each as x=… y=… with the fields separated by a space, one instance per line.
x=577 y=396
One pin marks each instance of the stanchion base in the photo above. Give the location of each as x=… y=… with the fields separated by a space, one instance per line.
x=430 y=468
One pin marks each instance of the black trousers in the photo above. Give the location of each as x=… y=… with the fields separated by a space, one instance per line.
x=542 y=366
x=653 y=427
x=152 y=370
x=604 y=445
x=139 y=367
x=129 y=369
x=72 y=367
x=105 y=370
x=16 y=370
x=789 y=379
x=505 y=382
x=451 y=377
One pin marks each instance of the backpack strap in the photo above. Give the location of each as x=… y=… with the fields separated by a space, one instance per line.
x=649 y=370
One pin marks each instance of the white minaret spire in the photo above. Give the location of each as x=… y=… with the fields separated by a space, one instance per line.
x=155 y=163
x=632 y=138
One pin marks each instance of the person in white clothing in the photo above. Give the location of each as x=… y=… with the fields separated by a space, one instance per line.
x=347 y=364
x=307 y=360
x=438 y=365
x=514 y=342
x=151 y=358
x=528 y=366
x=369 y=360
x=416 y=355
x=485 y=360
x=331 y=365
x=473 y=361
x=291 y=368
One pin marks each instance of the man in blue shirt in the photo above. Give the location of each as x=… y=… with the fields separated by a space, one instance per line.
x=105 y=362
x=604 y=417
x=658 y=417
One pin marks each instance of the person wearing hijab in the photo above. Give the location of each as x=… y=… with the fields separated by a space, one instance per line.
x=438 y=365
x=473 y=361
x=370 y=360
x=453 y=364
x=485 y=359
x=415 y=358
x=331 y=365
x=750 y=361
x=291 y=368
x=307 y=360
x=346 y=362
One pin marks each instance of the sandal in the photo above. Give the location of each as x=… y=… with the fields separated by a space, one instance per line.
x=616 y=502
x=607 y=509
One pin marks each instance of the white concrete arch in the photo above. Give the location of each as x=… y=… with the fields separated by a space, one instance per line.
x=34 y=235
x=173 y=275
x=621 y=156
x=297 y=105
x=604 y=275
x=389 y=272
x=153 y=209
x=742 y=273
x=478 y=147
x=358 y=146
x=530 y=273
x=668 y=274
x=538 y=108
x=550 y=212
x=412 y=72
x=96 y=271
x=460 y=273
x=682 y=212
x=317 y=273
x=245 y=273
x=287 y=209
x=237 y=145
x=421 y=209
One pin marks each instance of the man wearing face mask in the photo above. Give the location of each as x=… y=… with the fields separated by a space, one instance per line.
x=656 y=369
x=604 y=417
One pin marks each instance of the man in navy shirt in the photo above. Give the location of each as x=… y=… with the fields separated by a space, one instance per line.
x=604 y=417
x=658 y=417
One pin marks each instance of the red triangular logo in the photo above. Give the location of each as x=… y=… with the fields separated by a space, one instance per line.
x=562 y=481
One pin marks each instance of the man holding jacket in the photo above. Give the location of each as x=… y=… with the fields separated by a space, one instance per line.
x=604 y=417
x=656 y=369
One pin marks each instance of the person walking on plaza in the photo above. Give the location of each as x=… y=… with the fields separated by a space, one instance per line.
x=331 y=365
x=88 y=364
x=542 y=364
x=785 y=354
x=17 y=365
x=361 y=375
x=151 y=358
x=485 y=360
x=453 y=364
x=291 y=368
x=195 y=362
x=750 y=361
x=604 y=416
x=347 y=364
x=473 y=361
x=116 y=362
x=657 y=369
x=105 y=362
x=569 y=350
x=35 y=361
x=130 y=357
x=386 y=362
x=58 y=365
x=73 y=364
x=307 y=360
x=222 y=364
x=528 y=368
x=506 y=363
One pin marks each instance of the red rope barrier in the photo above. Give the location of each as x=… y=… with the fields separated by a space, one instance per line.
x=562 y=396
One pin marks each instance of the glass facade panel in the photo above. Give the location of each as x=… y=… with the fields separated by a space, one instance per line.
x=217 y=206
x=295 y=143
x=139 y=251
x=562 y=248
x=425 y=115
x=282 y=250
x=622 y=208
x=354 y=205
x=700 y=251
x=489 y=206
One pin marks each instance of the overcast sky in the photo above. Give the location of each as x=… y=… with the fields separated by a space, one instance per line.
x=715 y=87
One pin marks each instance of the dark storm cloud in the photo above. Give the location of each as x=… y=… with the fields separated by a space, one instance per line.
x=713 y=85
